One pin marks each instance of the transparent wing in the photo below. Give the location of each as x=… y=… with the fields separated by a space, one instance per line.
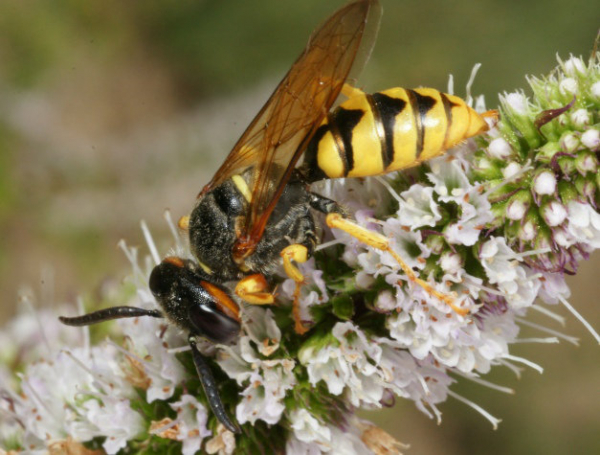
x=278 y=135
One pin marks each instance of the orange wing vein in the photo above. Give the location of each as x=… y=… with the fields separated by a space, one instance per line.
x=276 y=138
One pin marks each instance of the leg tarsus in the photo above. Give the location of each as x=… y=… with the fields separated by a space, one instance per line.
x=296 y=253
x=325 y=205
x=378 y=241
x=253 y=289
x=349 y=91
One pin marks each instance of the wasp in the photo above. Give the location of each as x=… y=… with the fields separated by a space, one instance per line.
x=257 y=211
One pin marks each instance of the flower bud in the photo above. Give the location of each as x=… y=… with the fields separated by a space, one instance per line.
x=591 y=139
x=569 y=86
x=566 y=164
x=595 y=90
x=586 y=186
x=580 y=118
x=517 y=109
x=518 y=205
x=451 y=262
x=569 y=142
x=554 y=213
x=567 y=192
x=586 y=162
x=499 y=148
x=512 y=169
x=527 y=231
x=517 y=103
x=435 y=243
x=547 y=152
x=574 y=66
x=544 y=182
x=561 y=237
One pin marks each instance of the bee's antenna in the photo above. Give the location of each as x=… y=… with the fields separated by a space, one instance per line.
x=116 y=312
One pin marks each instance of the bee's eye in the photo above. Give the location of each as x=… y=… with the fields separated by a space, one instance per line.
x=213 y=325
x=166 y=276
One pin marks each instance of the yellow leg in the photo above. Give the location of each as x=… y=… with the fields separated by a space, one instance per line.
x=184 y=223
x=254 y=289
x=492 y=113
x=349 y=91
x=335 y=220
x=297 y=253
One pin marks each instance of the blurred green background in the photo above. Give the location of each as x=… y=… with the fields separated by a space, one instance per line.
x=111 y=112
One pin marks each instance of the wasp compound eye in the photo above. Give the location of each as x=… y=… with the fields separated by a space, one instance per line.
x=164 y=276
x=213 y=325
x=216 y=315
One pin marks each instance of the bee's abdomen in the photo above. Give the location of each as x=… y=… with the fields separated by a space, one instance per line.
x=390 y=130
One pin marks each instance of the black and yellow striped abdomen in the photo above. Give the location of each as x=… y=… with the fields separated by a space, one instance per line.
x=372 y=134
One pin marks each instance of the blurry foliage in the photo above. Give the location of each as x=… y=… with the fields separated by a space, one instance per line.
x=211 y=46
x=7 y=188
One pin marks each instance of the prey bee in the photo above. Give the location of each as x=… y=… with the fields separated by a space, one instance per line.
x=256 y=212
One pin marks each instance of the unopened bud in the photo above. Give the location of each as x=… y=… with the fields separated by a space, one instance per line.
x=574 y=66
x=499 y=148
x=568 y=86
x=554 y=213
x=569 y=142
x=518 y=205
x=544 y=183
x=591 y=139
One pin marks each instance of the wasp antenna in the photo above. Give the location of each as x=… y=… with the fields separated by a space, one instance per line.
x=210 y=388
x=107 y=314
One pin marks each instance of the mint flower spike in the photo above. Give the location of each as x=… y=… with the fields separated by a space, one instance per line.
x=499 y=221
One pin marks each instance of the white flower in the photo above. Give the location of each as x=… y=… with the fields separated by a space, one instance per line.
x=267 y=381
x=115 y=420
x=409 y=378
x=474 y=215
x=160 y=365
x=449 y=179
x=308 y=429
x=192 y=419
x=409 y=244
x=584 y=223
x=332 y=440
x=296 y=447
x=223 y=443
x=419 y=209
x=348 y=442
x=553 y=287
x=503 y=268
x=262 y=329
x=346 y=362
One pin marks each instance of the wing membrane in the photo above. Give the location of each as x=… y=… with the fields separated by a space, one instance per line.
x=278 y=135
